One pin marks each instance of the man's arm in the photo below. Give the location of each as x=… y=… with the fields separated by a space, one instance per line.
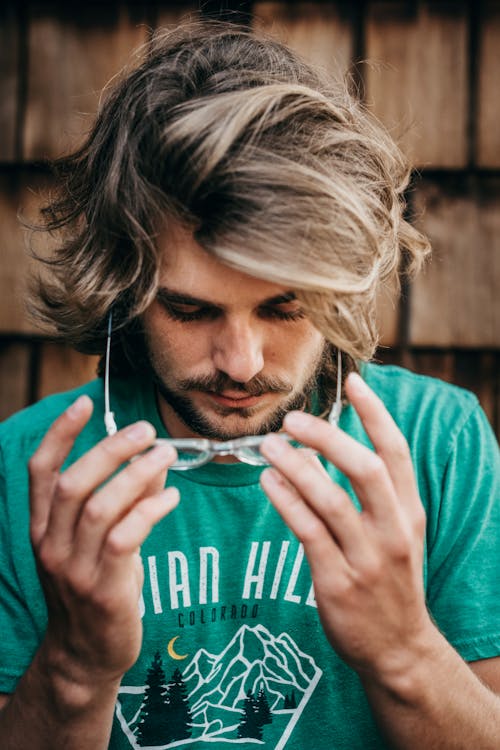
x=442 y=706
x=367 y=574
x=46 y=713
x=87 y=524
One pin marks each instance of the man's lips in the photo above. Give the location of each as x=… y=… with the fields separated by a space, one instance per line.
x=236 y=400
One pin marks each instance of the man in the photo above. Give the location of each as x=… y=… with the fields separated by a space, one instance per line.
x=224 y=232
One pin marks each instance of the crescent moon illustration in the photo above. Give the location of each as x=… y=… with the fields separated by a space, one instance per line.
x=171 y=651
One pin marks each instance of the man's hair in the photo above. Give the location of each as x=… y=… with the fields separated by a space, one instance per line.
x=276 y=168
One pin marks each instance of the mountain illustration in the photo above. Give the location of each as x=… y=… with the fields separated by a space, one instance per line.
x=253 y=657
x=220 y=687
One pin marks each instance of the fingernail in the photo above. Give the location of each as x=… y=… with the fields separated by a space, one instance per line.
x=172 y=495
x=162 y=453
x=139 y=431
x=357 y=384
x=78 y=407
x=296 y=419
x=273 y=445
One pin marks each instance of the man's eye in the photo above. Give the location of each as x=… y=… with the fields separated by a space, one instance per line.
x=282 y=313
x=186 y=313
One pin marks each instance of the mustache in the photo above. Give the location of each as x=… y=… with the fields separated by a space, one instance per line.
x=221 y=382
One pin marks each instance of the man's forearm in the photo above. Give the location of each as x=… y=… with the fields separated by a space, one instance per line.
x=88 y=522
x=48 y=710
x=439 y=704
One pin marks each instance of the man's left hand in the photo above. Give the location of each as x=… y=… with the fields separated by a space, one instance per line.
x=366 y=566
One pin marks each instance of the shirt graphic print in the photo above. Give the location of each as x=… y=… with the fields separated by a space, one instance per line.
x=258 y=679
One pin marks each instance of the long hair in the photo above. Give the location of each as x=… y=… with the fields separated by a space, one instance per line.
x=278 y=171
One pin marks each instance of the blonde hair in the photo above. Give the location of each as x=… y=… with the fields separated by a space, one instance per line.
x=279 y=171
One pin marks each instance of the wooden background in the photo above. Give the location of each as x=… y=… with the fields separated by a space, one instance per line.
x=429 y=70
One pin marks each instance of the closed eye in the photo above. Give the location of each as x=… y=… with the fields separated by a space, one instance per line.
x=186 y=309
x=187 y=313
x=280 y=313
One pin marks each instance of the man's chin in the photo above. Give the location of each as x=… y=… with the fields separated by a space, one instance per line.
x=207 y=417
x=223 y=423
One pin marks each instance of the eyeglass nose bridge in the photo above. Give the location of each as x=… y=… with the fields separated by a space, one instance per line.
x=206 y=450
x=233 y=447
x=222 y=450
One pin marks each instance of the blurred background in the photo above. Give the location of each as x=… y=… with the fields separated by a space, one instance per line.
x=429 y=70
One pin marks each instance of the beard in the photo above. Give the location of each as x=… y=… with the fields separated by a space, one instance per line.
x=178 y=398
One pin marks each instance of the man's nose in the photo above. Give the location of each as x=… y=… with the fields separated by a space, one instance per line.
x=238 y=350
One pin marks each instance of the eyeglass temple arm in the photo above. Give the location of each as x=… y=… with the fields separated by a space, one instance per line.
x=109 y=416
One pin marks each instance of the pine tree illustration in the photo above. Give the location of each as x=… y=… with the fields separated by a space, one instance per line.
x=178 y=708
x=249 y=725
x=154 y=725
x=290 y=700
x=264 y=715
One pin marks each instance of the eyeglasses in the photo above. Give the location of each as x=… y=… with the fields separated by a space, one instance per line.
x=195 y=452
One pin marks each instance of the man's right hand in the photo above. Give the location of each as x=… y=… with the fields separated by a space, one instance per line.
x=87 y=525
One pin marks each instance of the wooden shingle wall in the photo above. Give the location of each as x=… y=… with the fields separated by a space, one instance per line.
x=429 y=70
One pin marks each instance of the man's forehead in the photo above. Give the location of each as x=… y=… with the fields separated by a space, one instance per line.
x=190 y=270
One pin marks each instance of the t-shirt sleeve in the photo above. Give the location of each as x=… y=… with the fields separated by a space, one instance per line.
x=18 y=635
x=463 y=587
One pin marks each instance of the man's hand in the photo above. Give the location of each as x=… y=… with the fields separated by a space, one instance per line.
x=87 y=525
x=366 y=566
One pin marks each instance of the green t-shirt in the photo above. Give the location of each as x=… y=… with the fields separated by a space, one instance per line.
x=233 y=651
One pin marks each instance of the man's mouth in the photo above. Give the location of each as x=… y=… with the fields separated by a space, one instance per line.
x=235 y=399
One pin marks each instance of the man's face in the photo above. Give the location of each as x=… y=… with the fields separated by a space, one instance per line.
x=231 y=353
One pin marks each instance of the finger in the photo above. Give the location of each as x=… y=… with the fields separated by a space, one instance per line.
x=309 y=529
x=82 y=478
x=325 y=498
x=132 y=530
x=46 y=462
x=385 y=436
x=158 y=481
x=114 y=501
x=366 y=470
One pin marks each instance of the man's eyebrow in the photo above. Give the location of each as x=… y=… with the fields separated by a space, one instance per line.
x=280 y=299
x=166 y=295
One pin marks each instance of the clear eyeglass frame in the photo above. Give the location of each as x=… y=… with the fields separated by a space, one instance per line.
x=195 y=452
